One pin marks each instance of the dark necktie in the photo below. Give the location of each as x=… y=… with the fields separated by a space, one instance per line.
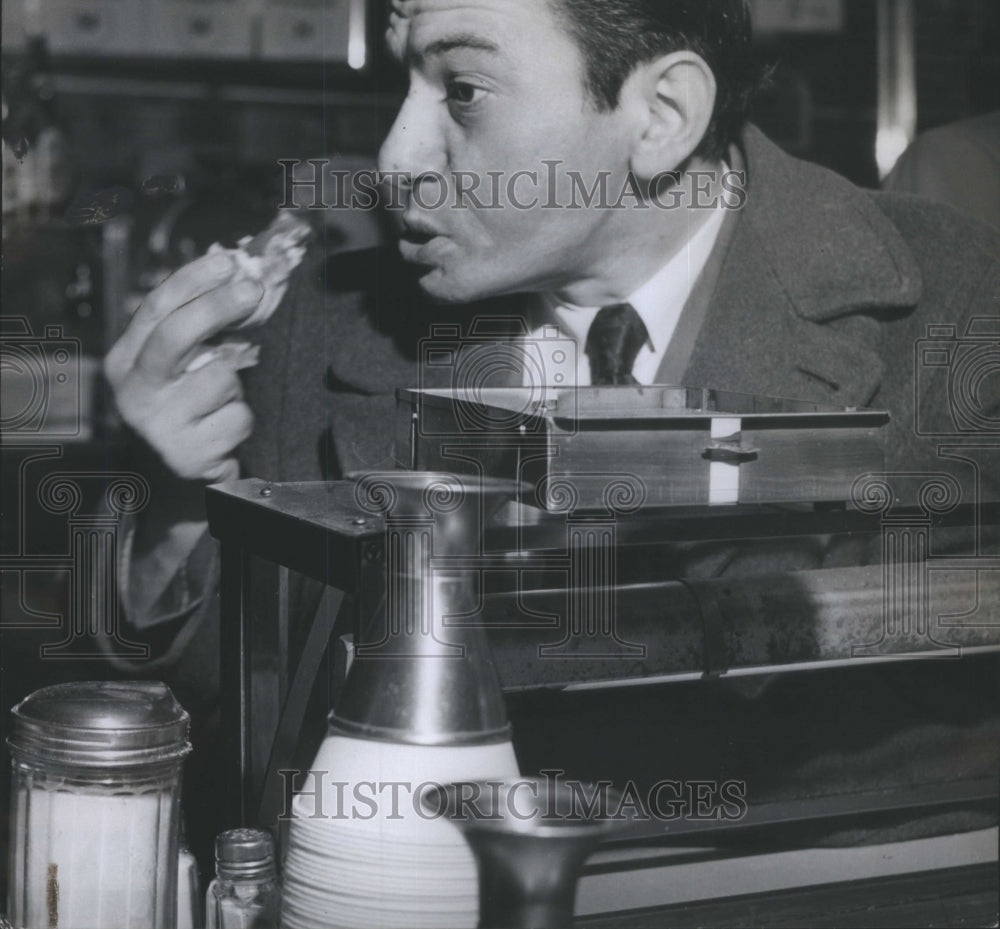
x=613 y=341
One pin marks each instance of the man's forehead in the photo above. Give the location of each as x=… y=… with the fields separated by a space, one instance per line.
x=413 y=24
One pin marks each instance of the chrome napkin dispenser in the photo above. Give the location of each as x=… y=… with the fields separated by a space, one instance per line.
x=677 y=446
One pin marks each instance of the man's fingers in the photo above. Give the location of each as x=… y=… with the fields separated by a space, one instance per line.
x=193 y=419
x=178 y=337
x=200 y=276
x=228 y=470
x=210 y=388
x=220 y=432
x=204 y=450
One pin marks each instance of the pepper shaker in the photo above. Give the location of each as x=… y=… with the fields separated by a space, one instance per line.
x=245 y=893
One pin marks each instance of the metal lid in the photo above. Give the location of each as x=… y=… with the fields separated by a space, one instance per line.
x=244 y=852
x=101 y=724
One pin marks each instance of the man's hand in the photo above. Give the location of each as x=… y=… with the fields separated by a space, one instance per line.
x=194 y=419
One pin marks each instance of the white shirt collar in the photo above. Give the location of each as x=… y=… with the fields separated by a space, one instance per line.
x=659 y=302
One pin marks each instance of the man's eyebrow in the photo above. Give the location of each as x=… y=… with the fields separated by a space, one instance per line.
x=448 y=43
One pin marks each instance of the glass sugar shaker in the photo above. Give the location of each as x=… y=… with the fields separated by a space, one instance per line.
x=245 y=893
x=95 y=799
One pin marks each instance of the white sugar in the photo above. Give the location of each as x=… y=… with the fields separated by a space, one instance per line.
x=91 y=858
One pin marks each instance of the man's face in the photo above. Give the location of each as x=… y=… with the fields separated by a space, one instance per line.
x=497 y=88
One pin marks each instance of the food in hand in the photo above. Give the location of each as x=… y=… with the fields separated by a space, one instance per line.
x=267 y=259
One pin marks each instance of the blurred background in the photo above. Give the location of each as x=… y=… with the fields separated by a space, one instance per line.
x=138 y=132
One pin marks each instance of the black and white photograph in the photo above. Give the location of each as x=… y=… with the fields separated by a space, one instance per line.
x=518 y=464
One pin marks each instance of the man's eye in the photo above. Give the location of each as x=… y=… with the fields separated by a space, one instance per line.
x=464 y=94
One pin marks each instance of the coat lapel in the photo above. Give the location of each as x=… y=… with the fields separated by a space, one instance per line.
x=810 y=267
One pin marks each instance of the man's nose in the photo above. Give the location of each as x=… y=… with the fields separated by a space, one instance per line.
x=412 y=147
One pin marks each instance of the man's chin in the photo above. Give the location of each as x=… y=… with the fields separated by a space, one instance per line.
x=442 y=287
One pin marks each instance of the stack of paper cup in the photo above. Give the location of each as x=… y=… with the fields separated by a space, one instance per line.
x=363 y=852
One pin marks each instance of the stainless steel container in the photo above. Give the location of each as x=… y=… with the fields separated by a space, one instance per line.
x=425 y=675
x=94 y=806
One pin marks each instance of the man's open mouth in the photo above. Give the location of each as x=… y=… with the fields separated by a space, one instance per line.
x=417 y=230
x=415 y=237
x=419 y=242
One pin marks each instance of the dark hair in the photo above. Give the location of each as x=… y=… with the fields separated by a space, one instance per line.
x=617 y=35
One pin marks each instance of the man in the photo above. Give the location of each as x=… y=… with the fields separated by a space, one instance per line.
x=810 y=288
x=495 y=87
x=957 y=164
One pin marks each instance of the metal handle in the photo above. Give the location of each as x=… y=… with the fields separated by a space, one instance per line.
x=730 y=452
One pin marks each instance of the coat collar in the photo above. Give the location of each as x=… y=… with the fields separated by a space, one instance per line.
x=831 y=248
x=809 y=266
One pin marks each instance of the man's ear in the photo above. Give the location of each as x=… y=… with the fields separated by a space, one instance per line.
x=674 y=97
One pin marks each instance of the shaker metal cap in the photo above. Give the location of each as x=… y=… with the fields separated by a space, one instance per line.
x=101 y=724
x=244 y=852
